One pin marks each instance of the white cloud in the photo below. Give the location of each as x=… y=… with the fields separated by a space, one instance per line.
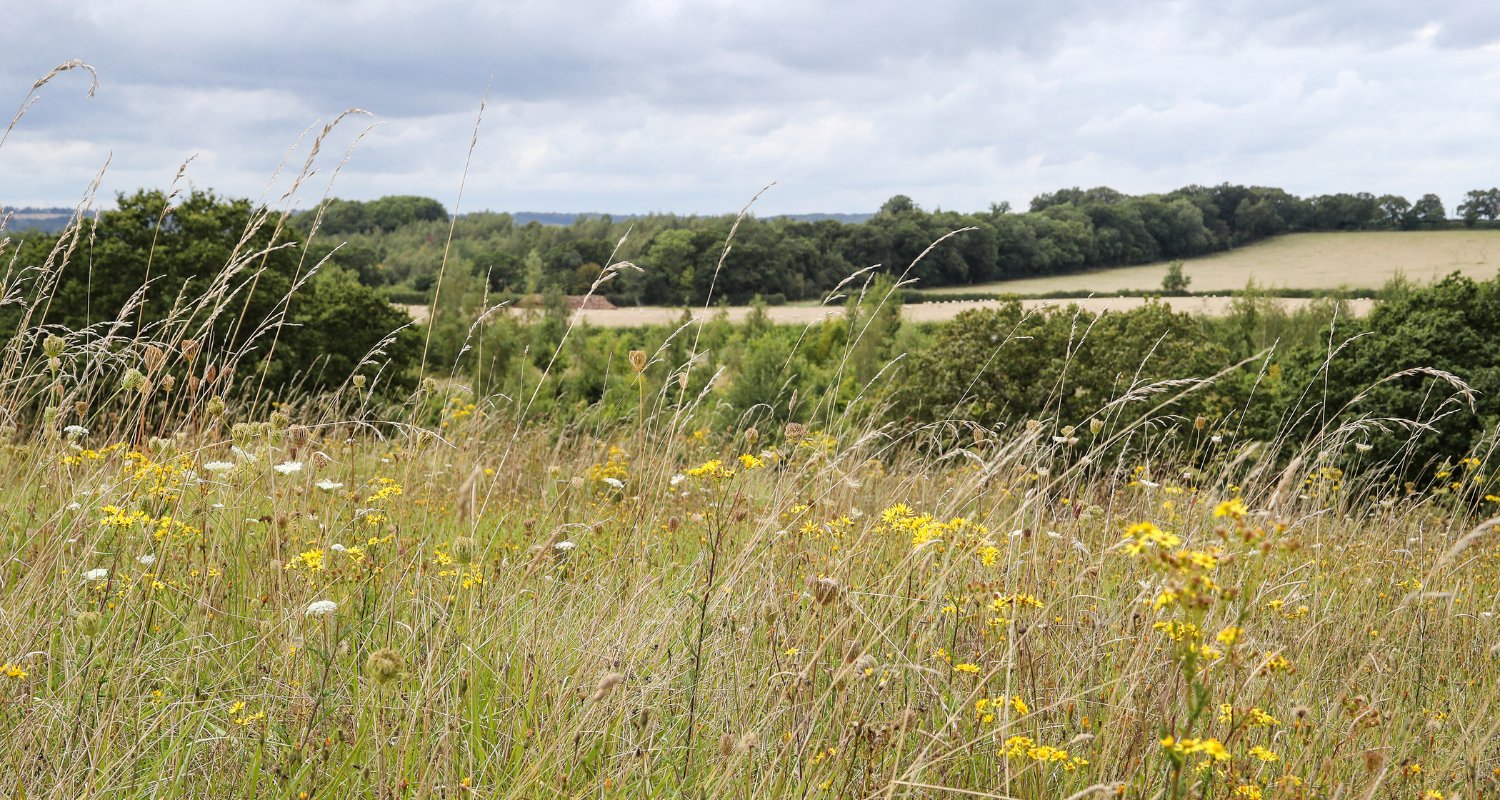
x=693 y=106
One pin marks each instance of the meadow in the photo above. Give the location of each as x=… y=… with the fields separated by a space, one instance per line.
x=310 y=602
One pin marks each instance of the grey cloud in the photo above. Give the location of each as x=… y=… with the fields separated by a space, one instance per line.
x=692 y=106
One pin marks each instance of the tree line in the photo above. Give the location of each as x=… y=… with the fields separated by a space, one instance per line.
x=397 y=243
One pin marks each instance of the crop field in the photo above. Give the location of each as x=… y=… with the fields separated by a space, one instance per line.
x=1356 y=260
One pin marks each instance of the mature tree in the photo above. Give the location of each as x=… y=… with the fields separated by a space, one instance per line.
x=1429 y=210
x=1480 y=204
x=218 y=270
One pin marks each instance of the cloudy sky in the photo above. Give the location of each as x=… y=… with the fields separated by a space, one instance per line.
x=644 y=105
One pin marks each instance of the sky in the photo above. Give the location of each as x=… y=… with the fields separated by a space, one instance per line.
x=633 y=106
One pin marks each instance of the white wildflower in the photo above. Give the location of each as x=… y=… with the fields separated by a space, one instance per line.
x=243 y=455
x=615 y=482
x=1363 y=448
x=96 y=574
x=678 y=478
x=318 y=608
x=288 y=467
x=337 y=548
x=147 y=559
x=564 y=547
x=1216 y=439
x=328 y=485
x=218 y=466
x=75 y=431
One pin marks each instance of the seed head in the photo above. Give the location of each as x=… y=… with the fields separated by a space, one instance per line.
x=358 y=381
x=795 y=432
x=1301 y=712
x=1200 y=423
x=211 y=374
x=132 y=378
x=638 y=360
x=1096 y=425
x=297 y=435
x=726 y=745
x=89 y=623
x=752 y=436
x=54 y=345
x=384 y=665
x=606 y=685
x=80 y=408
x=153 y=358
x=280 y=421
x=429 y=385
x=1374 y=760
x=190 y=349
x=682 y=380
x=463 y=550
x=167 y=382
x=215 y=407
x=319 y=460
x=673 y=523
x=824 y=590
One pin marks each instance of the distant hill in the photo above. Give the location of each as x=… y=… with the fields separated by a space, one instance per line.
x=564 y=219
x=47 y=220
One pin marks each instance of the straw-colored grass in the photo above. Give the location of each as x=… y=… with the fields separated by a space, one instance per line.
x=1357 y=260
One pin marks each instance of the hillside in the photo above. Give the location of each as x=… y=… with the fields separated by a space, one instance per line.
x=1359 y=259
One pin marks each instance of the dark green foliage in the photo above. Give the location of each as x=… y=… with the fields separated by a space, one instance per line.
x=181 y=258
x=1067 y=230
x=1175 y=282
x=1452 y=326
x=997 y=365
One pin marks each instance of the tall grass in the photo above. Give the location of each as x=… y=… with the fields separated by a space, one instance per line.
x=246 y=600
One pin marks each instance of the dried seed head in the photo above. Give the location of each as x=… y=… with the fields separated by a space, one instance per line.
x=167 y=382
x=769 y=611
x=752 y=436
x=853 y=650
x=211 y=374
x=81 y=408
x=464 y=550
x=795 y=432
x=1200 y=423
x=384 y=665
x=638 y=360
x=153 y=358
x=606 y=685
x=190 y=349
x=1301 y=712
x=193 y=383
x=747 y=742
x=576 y=481
x=1373 y=759
x=682 y=380
x=89 y=623
x=298 y=435
x=1033 y=425
x=865 y=663
x=673 y=523
x=319 y=460
x=726 y=745
x=641 y=719
x=824 y=590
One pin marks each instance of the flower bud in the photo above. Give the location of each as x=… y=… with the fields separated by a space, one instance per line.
x=463 y=550
x=358 y=381
x=280 y=421
x=88 y=624
x=215 y=407
x=54 y=345
x=384 y=665
x=132 y=378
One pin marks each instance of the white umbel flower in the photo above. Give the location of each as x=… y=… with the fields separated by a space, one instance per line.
x=318 y=608
x=96 y=574
x=218 y=466
x=288 y=467
x=328 y=485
